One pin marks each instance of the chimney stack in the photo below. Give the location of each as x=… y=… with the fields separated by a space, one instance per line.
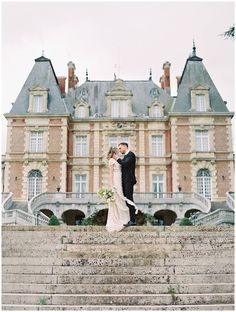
x=166 y=76
x=161 y=80
x=71 y=75
x=62 y=85
x=178 y=81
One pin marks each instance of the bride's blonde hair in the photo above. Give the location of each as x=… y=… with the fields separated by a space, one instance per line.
x=112 y=150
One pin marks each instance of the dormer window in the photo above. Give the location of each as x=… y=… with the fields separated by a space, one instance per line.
x=156 y=109
x=38 y=100
x=119 y=108
x=119 y=101
x=200 y=100
x=82 y=109
x=37 y=104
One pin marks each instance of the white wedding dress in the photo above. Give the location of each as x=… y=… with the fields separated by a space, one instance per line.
x=118 y=212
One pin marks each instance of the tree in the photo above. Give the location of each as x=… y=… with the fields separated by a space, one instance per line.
x=229 y=34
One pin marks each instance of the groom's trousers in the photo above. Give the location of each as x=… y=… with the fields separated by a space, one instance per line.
x=128 y=190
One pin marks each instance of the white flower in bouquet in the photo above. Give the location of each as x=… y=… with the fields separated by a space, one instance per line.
x=106 y=194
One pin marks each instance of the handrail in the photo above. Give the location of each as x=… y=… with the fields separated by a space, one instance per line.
x=230 y=199
x=7 y=202
x=92 y=198
x=17 y=216
x=215 y=217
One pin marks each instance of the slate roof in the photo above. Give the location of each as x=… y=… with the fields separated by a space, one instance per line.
x=94 y=92
x=194 y=74
x=42 y=75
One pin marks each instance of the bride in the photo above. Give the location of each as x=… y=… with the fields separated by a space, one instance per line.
x=118 y=212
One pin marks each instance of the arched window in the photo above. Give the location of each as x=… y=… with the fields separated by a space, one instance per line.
x=204 y=183
x=82 y=111
x=34 y=183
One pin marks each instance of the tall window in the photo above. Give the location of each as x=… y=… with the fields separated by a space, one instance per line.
x=34 y=183
x=157 y=145
x=202 y=140
x=38 y=104
x=36 y=141
x=204 y=183
x=81 y=146
x=119 y=108
x=115 y=140
x=200 y=103
x=80 y=184
x=158 y=185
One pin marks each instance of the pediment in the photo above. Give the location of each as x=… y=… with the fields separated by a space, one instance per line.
x=38 y=88
x=200 y=87
x=119 y=88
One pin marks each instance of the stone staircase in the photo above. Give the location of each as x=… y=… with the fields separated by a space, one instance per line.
x=140 y=268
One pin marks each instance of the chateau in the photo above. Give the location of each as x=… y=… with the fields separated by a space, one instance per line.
x=58 y=138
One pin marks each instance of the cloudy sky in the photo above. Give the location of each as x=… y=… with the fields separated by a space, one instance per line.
x=123 y=37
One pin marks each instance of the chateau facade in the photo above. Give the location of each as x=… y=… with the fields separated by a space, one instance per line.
x=58 y=137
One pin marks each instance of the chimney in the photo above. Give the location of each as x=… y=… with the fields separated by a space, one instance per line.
x=71 y=75
x=62 y=85
x=166 y=67
x=161 y=80
x=178 y=81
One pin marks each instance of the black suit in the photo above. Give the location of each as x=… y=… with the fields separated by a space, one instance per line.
x=128 y=179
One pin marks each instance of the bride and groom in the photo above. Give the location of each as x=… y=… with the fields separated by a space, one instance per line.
x=121 y=211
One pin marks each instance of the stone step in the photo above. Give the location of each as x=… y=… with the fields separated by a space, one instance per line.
x=117 y=279
x=70 y=228
x=119 y=262
x=128 y=251
x=117 y=288
x=129 y=300
x=120 y=237
x=198 y=307
x=92 y=270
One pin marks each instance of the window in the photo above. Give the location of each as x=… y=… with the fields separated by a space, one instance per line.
x=204 y=183
x=158 y=185
x=34 y=183
x=201 y=138
x=36 y=142
x=200 y=103
x=157 y=145
x=115 y=140
x=119 y=108
x=80 y=184
x=82 y=111
x=81 y=146
x=38 y=104
x=156 y=111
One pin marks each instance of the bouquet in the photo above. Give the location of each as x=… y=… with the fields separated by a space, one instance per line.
x=106 y=194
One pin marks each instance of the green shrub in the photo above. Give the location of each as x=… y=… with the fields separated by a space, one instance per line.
x=53 y=220
x=185 y=221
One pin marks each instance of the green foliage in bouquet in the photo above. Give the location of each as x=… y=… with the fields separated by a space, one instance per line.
x=53 y=220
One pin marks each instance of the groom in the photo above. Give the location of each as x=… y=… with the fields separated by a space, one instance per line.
x=128 y=178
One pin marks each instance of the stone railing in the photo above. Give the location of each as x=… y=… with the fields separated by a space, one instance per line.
x=139 y=198
x=6 y=201
x=17 y=216
x=230 y=199
x=220 y=216
x=60 y=197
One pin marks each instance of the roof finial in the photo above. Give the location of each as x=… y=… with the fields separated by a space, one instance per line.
x=114 y=76
x=150 y=74
x=87 y=74
x=194 y=48
x=42 y=52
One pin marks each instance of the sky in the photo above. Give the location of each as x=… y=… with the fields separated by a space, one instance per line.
x=127 y=38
